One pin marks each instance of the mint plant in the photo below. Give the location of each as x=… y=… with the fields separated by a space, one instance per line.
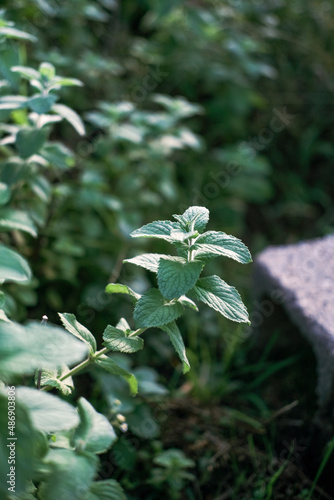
x=65 y=443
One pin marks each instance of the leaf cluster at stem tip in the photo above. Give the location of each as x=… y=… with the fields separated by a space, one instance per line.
x=178 y=276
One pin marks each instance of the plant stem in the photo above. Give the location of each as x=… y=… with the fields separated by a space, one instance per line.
x=81 y=366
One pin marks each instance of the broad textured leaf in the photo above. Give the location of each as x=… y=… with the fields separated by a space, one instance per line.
x=61 y=81
x=71 y=116
x=118 y=340
x=78 y=330
x=16 y=219
x=159 y=229
x=30 y=141
x=42 y=104
x=154 y=310
x=118 y=288
x=178 y=344
x=222 y=297
x=213 y=243
x=70 y=477
x=94 y=433
x=196 y=217
x=4 y=193
x=30 y=446
x=48 y=413
x=23 y=349
x=13 y=267
x=176 y=276
x=148 y=261
x=112 y=367
x=106 y=490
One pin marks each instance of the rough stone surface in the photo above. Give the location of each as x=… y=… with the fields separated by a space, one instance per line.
x=300 y=277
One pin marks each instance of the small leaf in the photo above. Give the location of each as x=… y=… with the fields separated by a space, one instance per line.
x=94 y=433
x=78 y=330
x=51 y=378
x=16 y=219
x=222 y=297
x=159 y=229
x=118 y=288
x=47 y=70
x=176 y=276
x=148 y=261
x=178 y=344
x=71 y=116
x=213 y=243
x=13 y=267
x=118 y=340
x=123 y=325
x=29 y=141
x=185 y=301
x=106 y=490
x=48 y=413
x=41 y=104
x=110 y=366
x=154 y=310
x=4 y=193
x=196 y=218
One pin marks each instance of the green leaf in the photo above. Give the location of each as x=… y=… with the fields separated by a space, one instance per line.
x=110 y=366
x=78 y=330
x=94 y=433
x=30 y=141
x=213 y=243
x=26 y=72
x=30 y=446
x=42 y=104
x=71 y=116
x=195 y=218
x=70 y=476
x=51 y=378
x=118 y=340
x=118 y=288
x=15 y=33
x=4 y=193
x=159 y=229
x=148 y=261
x=16 y=219
x=185 y=301
x=48 y=413
x=13 y=102
x=178 y=344
x=176 y=276
x=123 y=325
x=23 y=349
x=61 y=81
x=222 y=297
x=47 y=70
x=154 y=310
x=106 y=490
x=13 y=267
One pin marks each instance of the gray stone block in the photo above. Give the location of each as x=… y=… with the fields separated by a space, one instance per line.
x=300 y=277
